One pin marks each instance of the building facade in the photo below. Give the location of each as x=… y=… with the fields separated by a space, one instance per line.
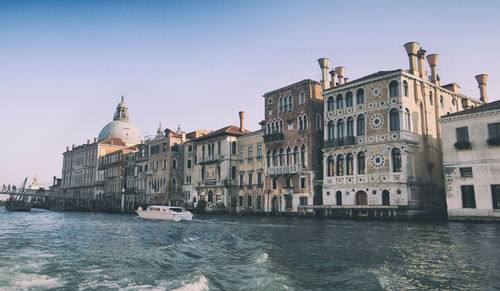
x=293 y=141
x=382 y=139
x=471 y=153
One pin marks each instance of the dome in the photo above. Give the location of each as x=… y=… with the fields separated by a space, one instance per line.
x=124 y=130
x=120 y=127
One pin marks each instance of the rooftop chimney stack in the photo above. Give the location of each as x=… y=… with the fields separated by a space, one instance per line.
x=345 y=80
x=95 y=139
x=340 y=74
x=433 y=59
x=88 y=141
x=242 y=118
x=67 y=148
x=481 y=80
x=324 y=63
x=332 y=75
x=421 y=63
x=411 y=49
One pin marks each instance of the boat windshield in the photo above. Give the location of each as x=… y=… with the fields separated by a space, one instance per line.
x=176 y=209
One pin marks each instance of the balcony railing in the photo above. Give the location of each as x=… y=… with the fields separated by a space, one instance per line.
x=338 y=142
x=291 y=169
x=210 y=159
x=274 y=137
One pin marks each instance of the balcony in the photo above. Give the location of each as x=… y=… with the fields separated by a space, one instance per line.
x=210 y=159
x=274 y=137
x=462 y=145
x=339 y=142
x=283 y=170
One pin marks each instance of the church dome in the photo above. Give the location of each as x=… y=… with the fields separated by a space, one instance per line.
x=120 y=127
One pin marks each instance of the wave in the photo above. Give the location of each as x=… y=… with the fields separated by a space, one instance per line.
x=200 y=285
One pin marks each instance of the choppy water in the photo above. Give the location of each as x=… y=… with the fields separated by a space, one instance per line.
x=70 y=251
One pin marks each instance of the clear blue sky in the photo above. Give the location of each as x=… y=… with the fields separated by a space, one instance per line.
x=65 y=64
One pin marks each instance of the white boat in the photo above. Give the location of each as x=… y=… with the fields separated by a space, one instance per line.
x=165 y=213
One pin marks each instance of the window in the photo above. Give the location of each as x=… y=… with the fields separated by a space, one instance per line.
x=281 y=157
x=405 y=88
x=270 y=100
x=338 y=197
x=280 y=107
x=240 y=201
x=349 y=164
x=288 y=156
x=430 y=98
x=407 y=119
x=360 y=96
x=242 y=154
x=190 y=148
x=268 y=128
x=250 y=152
x=319 y=158
x=233 y=148
x=250 y=179
x=302 y=97
x=259 y=202
x=340 y=165
x=305 y=121
x=361 y=163
x=396 y=160
x=350 y=127
x=288 y=202
x=466 y=172
x=303 y=156
x=331 y=103
x=331 y=129
x=303 y=200
x=259 y=180
x=241 y=181
x=281 y=126
x=493 y=132
x=441 y=101
x=233 y=172
x=268 y=158
x=462 y=134
x=174 y=185
x=295 y=155
x=288 y=182
x=290 y=103
x=331 y=166
x=303 y=183
x=394 y=119
x=249 y=201
x=340 y=129
x=164 y=164
x=275 y=160
x=340 y=101
x=300 y=123
x=189 y=164
x=285 y=104
x=393 y=89
x=360 y=125
x=174 y=164
x=495 y=196
x=386 y=198
x=259 y=151
x=319 y=123
x=349 y=99
x=275 y=183
x=468 y=196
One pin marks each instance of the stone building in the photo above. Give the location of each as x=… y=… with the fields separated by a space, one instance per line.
x=293 y=142
x=190 y=160
x=382 y=137
x=135 y=174
x=251 y=174
x=216 y=170
x=471 y=154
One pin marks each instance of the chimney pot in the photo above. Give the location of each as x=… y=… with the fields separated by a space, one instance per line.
x=332 y=77
x=432 y=59
x=411 y=49
x=340 y=74
x=95 y=139
x=421 y=63
x=324 y=63
x=88 y=141
x=481 y=80
x=242 y=117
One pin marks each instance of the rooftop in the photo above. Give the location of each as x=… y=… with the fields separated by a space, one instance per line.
x=228 y=130
x=495 y=105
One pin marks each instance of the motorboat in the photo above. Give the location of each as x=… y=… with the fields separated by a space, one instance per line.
x=160 y=212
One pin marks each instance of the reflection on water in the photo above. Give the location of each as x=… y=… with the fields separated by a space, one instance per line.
x=42 y=250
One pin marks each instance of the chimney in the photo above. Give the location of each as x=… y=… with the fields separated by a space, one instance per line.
x=465 y=104
x=345 y=80
x=340 y=74
x=421 y=63
x=332 y=77
x=73 y=147
x=242 y=118
x=481 y=80
x=433 y=59
x=54 y=178
x=67 y=149
x=411 y=49
x=324 y=63
x=88 y=141
x=95 y=139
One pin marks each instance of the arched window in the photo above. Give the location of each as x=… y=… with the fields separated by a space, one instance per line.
x=393 y=89
x=331 y=129
x=275 y=160
x=302 y=97
x=319 y=123
x=407 y=119
x=331 y=166
x=233 y=169
x=281 y=126
x=300 y=123
x=349 y=164
x=340 y=165
x=290 y=103
x=268 y=158
x=268 y=128
x=331 y=103
x=285 y=104
x=360 y=96
x=350 y=127
x=173 y=186
x=233 y=148
x=396 y=160
x=361 y=163
x=305 y=121
x=360 y=125
x=340 y=129
x=386 y=198
x=280 y=107
x=288 y=156
x=295 y=155
x=319 y=157
x=281 y=157
x=303 y=156
x=441 y=101
x=338 y=197
x=394 y=119
x=174 y=164
x=431 y=98
x=405 y=88
x=340 y=101
x=349 y=99
x=275 y=127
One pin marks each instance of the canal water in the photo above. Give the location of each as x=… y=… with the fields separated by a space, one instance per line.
x=71 y=251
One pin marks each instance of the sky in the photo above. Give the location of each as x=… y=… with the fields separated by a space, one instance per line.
x=65 y=64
